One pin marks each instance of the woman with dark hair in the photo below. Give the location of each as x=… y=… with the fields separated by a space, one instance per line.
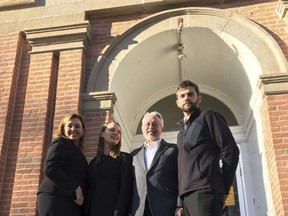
x=109 y=176
x=61 y=192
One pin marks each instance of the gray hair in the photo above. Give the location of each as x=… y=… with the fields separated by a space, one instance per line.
x=154 y=113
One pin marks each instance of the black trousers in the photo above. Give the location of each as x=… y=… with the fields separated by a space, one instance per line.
x=204 y=202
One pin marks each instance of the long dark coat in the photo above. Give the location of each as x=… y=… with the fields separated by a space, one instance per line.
x=110 y=186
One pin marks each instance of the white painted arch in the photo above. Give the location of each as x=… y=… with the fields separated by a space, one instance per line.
x=225 y=52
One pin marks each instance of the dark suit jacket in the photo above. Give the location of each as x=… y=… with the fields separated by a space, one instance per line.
x=110 y=186
x=65 y=169
x=159 y=183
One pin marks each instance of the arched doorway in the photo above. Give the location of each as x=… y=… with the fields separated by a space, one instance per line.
x=224 y=54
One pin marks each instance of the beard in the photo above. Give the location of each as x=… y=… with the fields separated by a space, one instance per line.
x=189 y=107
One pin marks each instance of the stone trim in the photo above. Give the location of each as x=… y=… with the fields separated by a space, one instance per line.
x=16 y=3
x=282 y=8
x=67 y=37
x=95 y=101
x=274 y=83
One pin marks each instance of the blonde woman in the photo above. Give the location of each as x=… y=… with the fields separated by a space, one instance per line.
x=62 y=189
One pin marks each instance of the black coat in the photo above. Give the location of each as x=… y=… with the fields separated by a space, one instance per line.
x=65 y=169
x=110 y=186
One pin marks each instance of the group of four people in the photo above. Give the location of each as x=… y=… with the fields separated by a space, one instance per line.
x=156 y=179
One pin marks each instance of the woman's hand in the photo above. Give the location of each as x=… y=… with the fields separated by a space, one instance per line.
x=79 y=196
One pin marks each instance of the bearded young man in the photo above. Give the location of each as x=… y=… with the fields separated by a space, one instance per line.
x=204 y=140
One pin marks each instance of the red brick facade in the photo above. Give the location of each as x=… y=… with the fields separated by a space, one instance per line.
x=39 y=88
x=275 y=131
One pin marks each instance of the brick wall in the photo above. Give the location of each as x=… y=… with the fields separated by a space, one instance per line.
x=37 y=90
x=35 y=131
x=48 y=90
x=275 y=129
x=12 y=70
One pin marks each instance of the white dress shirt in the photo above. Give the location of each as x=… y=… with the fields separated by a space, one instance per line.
x=149 y=152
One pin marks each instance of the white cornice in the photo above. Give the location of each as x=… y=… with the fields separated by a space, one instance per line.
x=282 y=8
x=274 y=83
x=16 y=3
x=95 y=101
x=63 y=37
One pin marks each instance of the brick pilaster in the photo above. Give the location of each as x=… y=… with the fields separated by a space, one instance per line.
x=69 y=83
x=274 y=114
x=10 y=61
x=35 y=133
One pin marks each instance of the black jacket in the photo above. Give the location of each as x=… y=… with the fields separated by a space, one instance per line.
x=110 y=186
x=206 y=140
x=65 y=169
